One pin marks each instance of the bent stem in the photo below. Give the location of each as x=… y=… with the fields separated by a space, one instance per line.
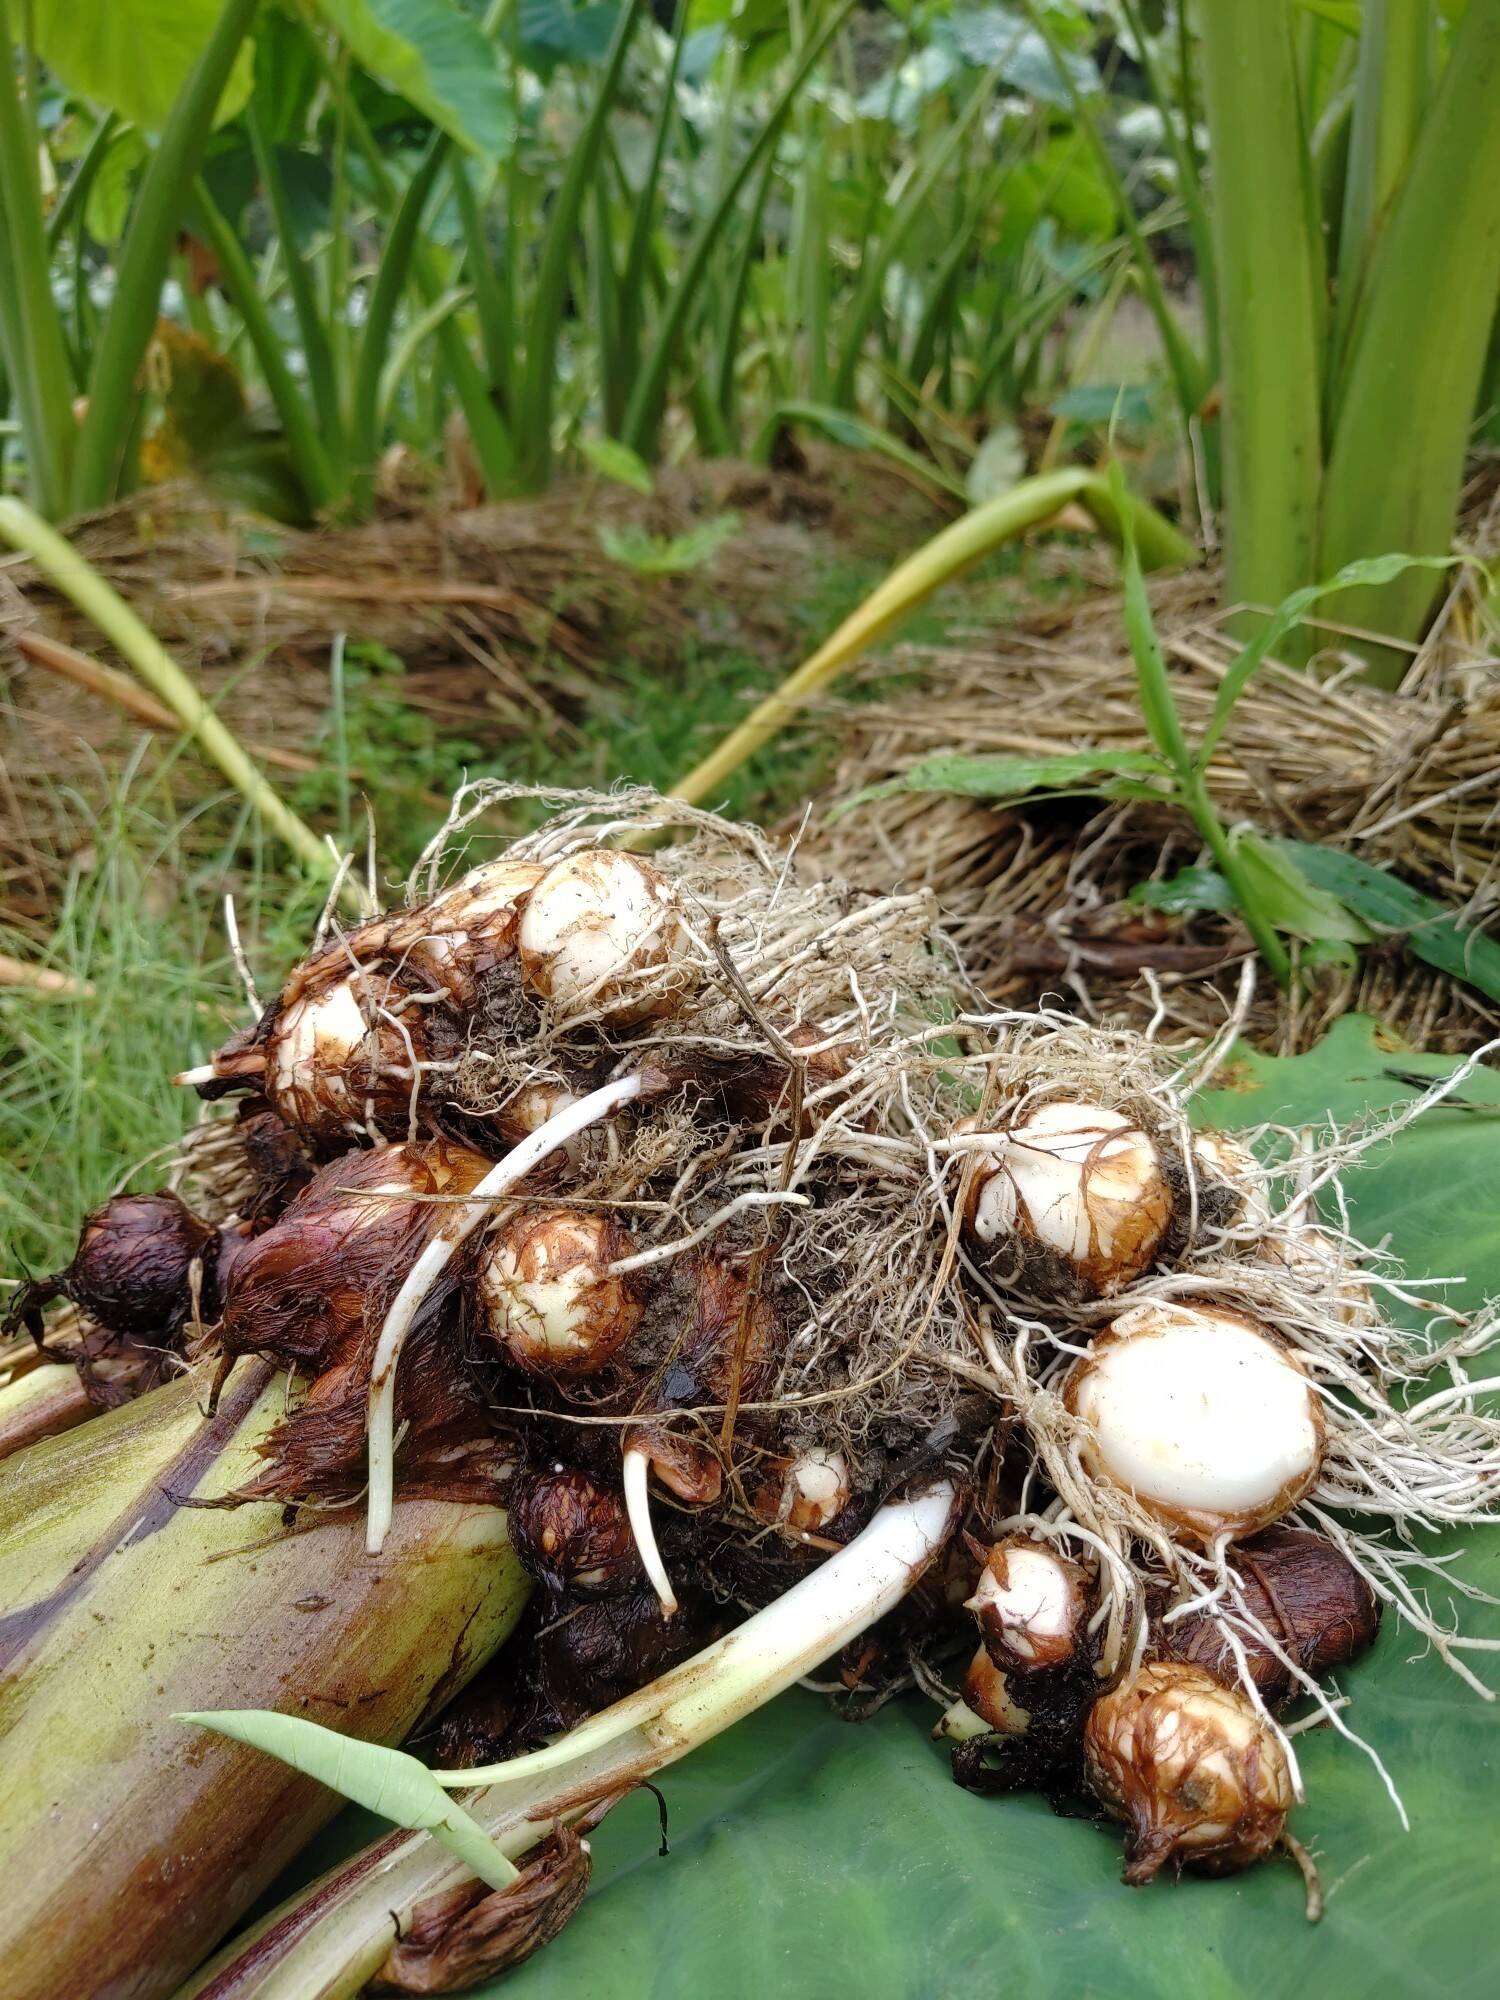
x=434 y=1260
x=1031 y=504
x=66 y=570
x=329 y=1942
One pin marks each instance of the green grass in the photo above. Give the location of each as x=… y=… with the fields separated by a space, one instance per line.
x=85 y=1079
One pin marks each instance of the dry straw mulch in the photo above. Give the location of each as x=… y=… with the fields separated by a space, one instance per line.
x=1035 y=897
x=504 y=617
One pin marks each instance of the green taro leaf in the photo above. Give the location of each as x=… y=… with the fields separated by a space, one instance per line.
x=1183 y=894
x=618 y=462
x=433 y=54
x=1386 y=903
x=132 y=55
x=1289 y=900
x=1111 y=774
x=809 y=1854
x=667 y=555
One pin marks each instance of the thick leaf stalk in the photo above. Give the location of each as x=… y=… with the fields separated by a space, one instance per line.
x=1031 y=504
x=130 y=1846
x=327 y=1943
x=1416 y=352
x=1271 y=332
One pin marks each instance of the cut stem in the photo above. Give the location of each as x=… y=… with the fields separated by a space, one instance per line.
x=777 y=1646
x=462 y=1221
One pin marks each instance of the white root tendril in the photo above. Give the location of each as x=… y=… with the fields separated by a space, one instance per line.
x=636 y=1475
x=660 y=1253
x=434 y=1260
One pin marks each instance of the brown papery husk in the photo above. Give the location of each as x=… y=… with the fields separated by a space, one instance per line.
x=309 y=1289
x=311 y=1292
x=469 y=1933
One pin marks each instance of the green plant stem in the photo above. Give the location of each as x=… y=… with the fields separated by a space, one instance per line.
x=1029 y=505
x=488 y=432
x=1390 y=94
x=914 y=202
x=31 y=331
x=637 y=255
x=380 y=315
x=317 y=352
x=88 y=592
x=303 y=436
x=491 y=299
x=99 y=465
x=1178 y=127
x=643 y=415
x=1416 y=353
x=1189 y=377
x=1272 y=323
x=70 y=202
x=1201 y=810
x=545 y=318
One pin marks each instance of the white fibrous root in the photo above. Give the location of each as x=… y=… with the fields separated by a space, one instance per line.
x=1315 y=1261
x=1231 y=1171
x=1195 y=1772
x=806 y=1493
x=1201 y=1414
x=601 y=936
x=987 y=1706
x=548 y=1295
x=1080 y=1184
x=1030 y=1603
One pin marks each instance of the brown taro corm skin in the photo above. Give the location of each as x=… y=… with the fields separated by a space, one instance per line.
x=571 y=1532
x=146 y=1273
x=1311 y=1599
x=570 y=1658
x=278 y=1162
x=1196 y=1774
x=132 y=1271
x=311 y=1293
x=758 y=1089
x=303 y=1290
x=728 y=1327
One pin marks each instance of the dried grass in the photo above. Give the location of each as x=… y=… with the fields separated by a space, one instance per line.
x=1035 y=896
x=503 y=616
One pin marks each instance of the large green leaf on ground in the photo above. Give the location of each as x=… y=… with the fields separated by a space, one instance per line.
x=132 y=55
x=811 y=1856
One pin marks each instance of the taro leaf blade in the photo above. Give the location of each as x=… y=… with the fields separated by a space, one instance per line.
x=807 y=1854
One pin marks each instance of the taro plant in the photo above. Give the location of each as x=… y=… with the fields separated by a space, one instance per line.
x=77 y=458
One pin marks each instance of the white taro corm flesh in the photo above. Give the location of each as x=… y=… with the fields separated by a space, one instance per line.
x=1199 y=1413
x=1068 y=1195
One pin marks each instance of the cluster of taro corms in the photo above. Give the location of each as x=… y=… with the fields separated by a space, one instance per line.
x=551 y=1179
